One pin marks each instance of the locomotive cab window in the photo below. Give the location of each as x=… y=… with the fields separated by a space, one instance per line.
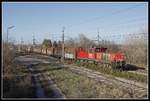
x=100 y=49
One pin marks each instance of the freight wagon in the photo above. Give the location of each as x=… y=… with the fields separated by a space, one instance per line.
x=96 y=55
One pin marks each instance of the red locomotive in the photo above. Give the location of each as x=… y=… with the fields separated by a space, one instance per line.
x=99 y=55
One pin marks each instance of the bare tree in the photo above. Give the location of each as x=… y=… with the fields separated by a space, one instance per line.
x=47 y=43
x=136 y=49
x=85 y=42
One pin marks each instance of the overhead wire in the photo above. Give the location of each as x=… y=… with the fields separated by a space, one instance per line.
x=127 y=22
x=113 y=13
x=102 y=17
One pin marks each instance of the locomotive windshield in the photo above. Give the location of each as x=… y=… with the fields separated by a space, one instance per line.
x=102 y=49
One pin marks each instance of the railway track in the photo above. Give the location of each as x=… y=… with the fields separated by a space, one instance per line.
x=139 y=72
x=126 y=84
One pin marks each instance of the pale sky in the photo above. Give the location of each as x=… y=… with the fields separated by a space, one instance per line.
x=45 y=20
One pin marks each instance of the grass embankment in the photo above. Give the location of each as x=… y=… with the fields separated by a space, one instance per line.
x=77 y=86
x=17 y=84
x=115 y=73
x=16 y=78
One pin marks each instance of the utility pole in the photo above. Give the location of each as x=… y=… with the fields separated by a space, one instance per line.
x=21 y=44
x=33 y=40
x=63 y=47
x=7 y=34
x=33 y=43
x=21 y=41
x=98 y=37
x=8 y=31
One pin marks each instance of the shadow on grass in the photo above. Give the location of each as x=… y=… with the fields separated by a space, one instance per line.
x=16 y=89
x=132 y=67
x=51 y=90
x=45 y=70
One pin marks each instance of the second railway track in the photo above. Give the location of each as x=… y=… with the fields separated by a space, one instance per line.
x=125 y=84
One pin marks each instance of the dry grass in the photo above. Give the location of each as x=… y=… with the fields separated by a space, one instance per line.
x=18 y=85
x=136 y=50
x=16 y=78
x=76 y=86
x=109 y=71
